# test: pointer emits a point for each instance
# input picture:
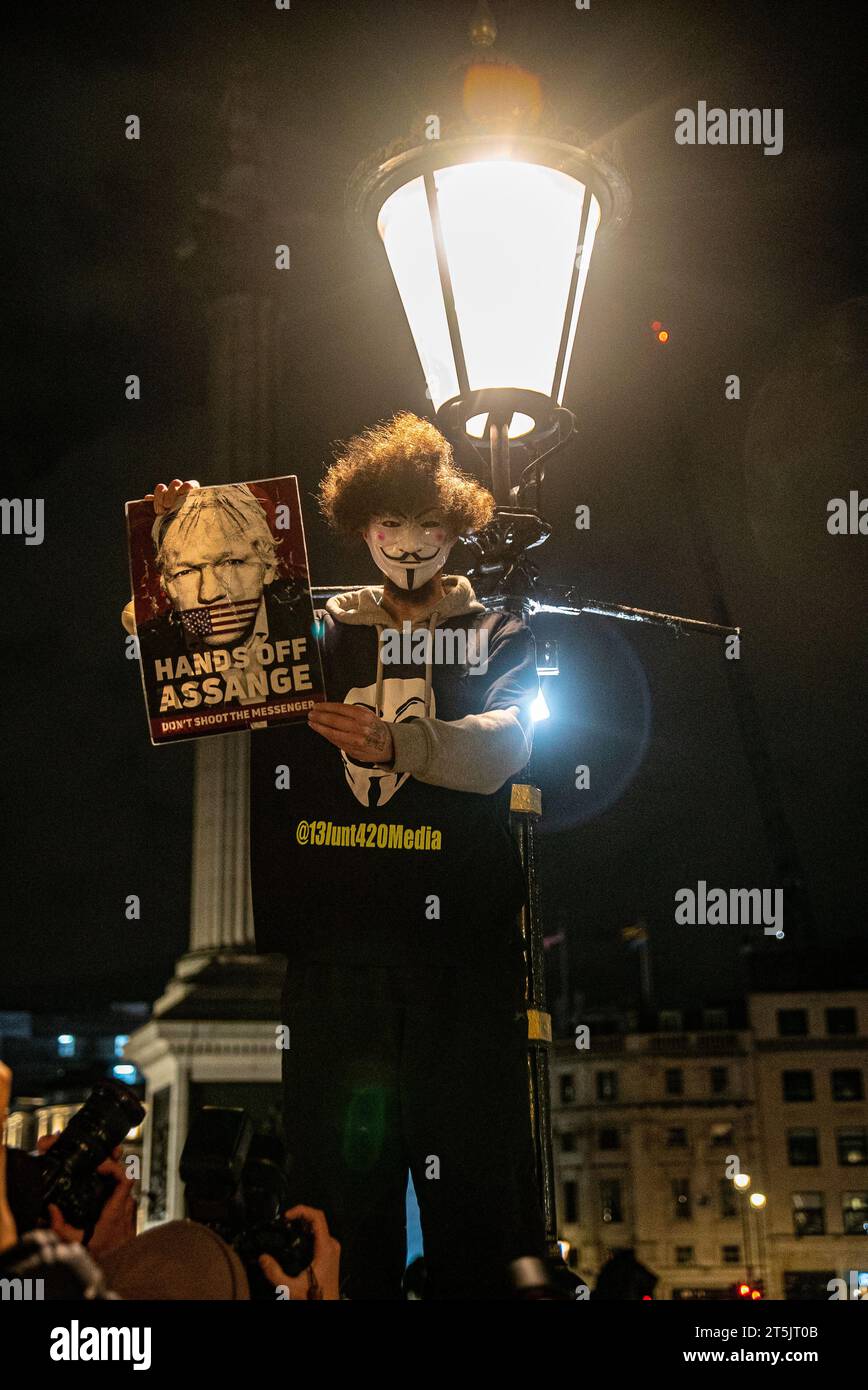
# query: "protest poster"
(224, 616)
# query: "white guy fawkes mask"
(409, 549)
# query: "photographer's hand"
(8, 1232)
(117, 1220)
(322, 1279)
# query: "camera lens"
(69, 1167)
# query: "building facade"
(720, 1154)
(809, 1065)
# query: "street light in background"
(752, 1209)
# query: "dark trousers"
(395, 1069)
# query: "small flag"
(638, 932)
(215, 618)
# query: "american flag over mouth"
(217, 618)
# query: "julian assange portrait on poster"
(223, 610)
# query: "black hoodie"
(362, 863)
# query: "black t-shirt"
(354, 864)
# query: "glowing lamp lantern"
(489, 236)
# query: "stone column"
(236, 234)
(221, 910)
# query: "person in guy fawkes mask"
(387, 875)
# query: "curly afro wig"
(400, 467)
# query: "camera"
(235, 1184)
(66, 1175)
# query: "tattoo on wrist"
(376, 738)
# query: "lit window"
(809, 1217)
(852, 1146)
(855, 1213)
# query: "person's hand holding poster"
(223, 609)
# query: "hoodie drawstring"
(429, 649)
(428, 662)
(378, 696)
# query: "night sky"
(754, 263)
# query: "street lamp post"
(741, 1182)
(752, 1210)
(758, 1208)
(745, 1234)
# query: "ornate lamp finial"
(483, 30)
